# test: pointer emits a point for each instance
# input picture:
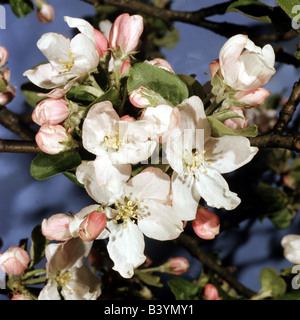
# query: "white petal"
(214, 189)
(174, 150)
(82, 25)
(126, 248)
(102, 180)
(151, 184)
(49, 292)
(185, 196)
(100, 122)
(160, 222)
(229, 153)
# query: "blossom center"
(126, 210)
(195, 161)
(67, 65)
(113, 142)
(63, 279)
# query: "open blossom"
(291, 246)
(206, 225)
(199, 160)
(68, 59)
(53, 139)
(67, 274)
(50, 111)
(14, 260)
(125, 33)
(242, 70)
(142, 209)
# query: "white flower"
(142, 209)
(199, 160)
(123, 142)
(291, 246)
(67, 274)
(68, 59)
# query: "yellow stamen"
(126, 211)
(67, 65)
(195, 162)
(113, 142)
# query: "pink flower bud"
(50, 111)
(254, 97)
(6, 97)
(237, 123)
(53, 139)
(101, 43)
(125, 32)
(3, 56)
(125, 66)
(210, 292)
(207, 224)
(45, 12)
(127, 118)
(178, 265)
(57, 227)
(138, 99)
(161, 63)
(92, 226)
(20, 297)
(214, 67)
(14, 260)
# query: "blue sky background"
(24, 202)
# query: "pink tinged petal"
(237, 123)
(126, 248)
(207, 224)
(50, 111)
(14, 260)
(91, 227)
(45, 13)
(214, 67)
(127, 118)
(3, 56)
(125, 66)
(102, 180)
(229, 58)
(159, 221)
(57, 227)
(101, 43)
(185, 196)
(161, 63)
(214, 189)
(20, 297)
(150, 184)
(253, 98)
(210, 292)
(100, 121)
(229, 153)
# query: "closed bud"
(176, 266)
(101, 43)
(206, 225)
(143, 97)
(53, 139)
(91, 227)
(161, 63)
(210, 292)
(50, 111)
(237, 123)
(45, 12)
(14, 260)
(3, 56)
(20, 297)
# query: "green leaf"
(272, 285)
(21, 7)
(253, 9)
(79, 93)
(167, 84)
(183, 289)
(218, 129)
(291, 8)
(44, 166)
(38, 245)
(297, 55)
(225, 115)
(282, 218)
(149, 279)
(72, 177)
(194, 87)
(2, 85)
(30, 92)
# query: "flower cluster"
(149, 154)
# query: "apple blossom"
(237, 123)
(45, 11)
(67, 274)
(8, 92)
(14, 260)
(68, 59)
(57, 227)
(206, 225)
(125, 33)
(53, 139)
(241, 71)
(291, 246)
(91, 227)
(3, 56)
(142, 209)
(176, 266)
(198, 160)
(50, 111)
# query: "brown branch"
(17, 146)
(13, 122)
(191, 244)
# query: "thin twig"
(191, 244)
(17, 146)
